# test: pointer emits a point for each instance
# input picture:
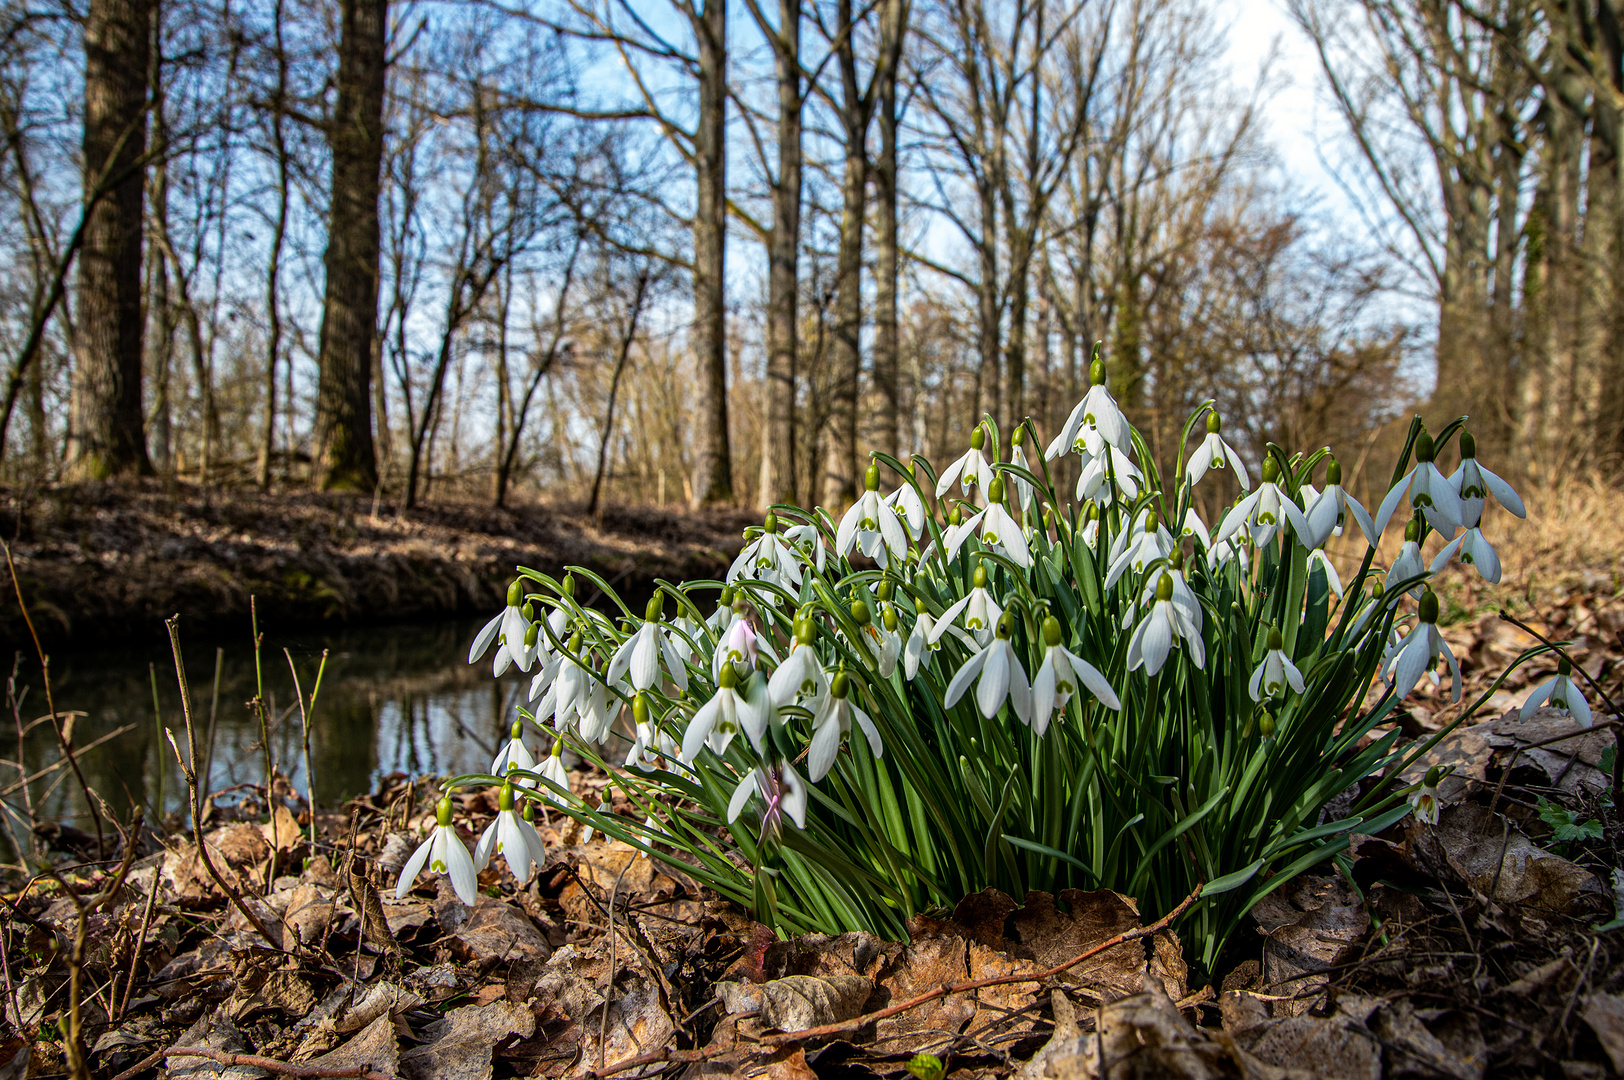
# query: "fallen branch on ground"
(280, 1068)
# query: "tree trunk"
(344, 457)
(885, 265)
(273, 312)
(713, 475)
(106, 436)
(783, 268)
(840, 458)
(623, 353)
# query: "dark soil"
(105, 558)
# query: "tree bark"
(886, 432)
(344, 458)
(273, 273)
(713, 474)
(783, 266)
(106, 432)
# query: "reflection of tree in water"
(393, 698)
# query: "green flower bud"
(517, 730)
(728, 679)
(1435, 776)
(1412, 531)
(978, 579)
(1214, 424)
(1051, 631)
(995, 490)
(1378, 588)
(886, 590)
(955, 516)
(1019, 438)
(442, 811)
(1265, 724)
(1564, 666)
(806, 632)
(1048, 517)
(1096, 365)
(1153, 521)
(1093, 510)
(770, 522)
(655, 607)
(726, 599)
(1468, 445)
(871, 477)
(978, 437)
(558, 747)
(889, 617)
(1164, 587)
(1276, 642)
(1424, 449)
(1429, 607)
(528, 611)
(504, 798)
(1176, 560)
(640, 708)
(1006, 625)
(529, 811)
(569, 585)
(515, 594)
(840, 685)
(919, 606)
(1333, 472)
(860, 613)
(532, 634)
(1271, 470)
(575, 642)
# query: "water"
(393, 699)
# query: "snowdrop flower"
(595, 712)
(832, 723)
(1091, 527)
(1328, 512)
(995, 527)
(919, 648)
(807, 543)
(871, 525)
(444, 853)
(1154, 638)
(1024, 494)
(508, 622)
(512, 837)
(1195, 529)
(800, 678)
(1417, 652)
(1474, 550)
(1001, 677)
(1264, 511)
(1059, 676)
(1098, 411)
(741, 646)
(1424, 800)
(1271, 677)
(513, 755)
(1141, 544)
(1232, 548)
(1215, 453)
(1106, 473)
(726, 714)
(640, 654)
(564, 680)
(780, 787)
(1317, 557)
(880, 639)
(769, 559)
(1559, 693)
(723, 618)
(968, 471)
(1183, 598)
(552, 768)
(981, 612)
(1428, 490)
(1474, 484)
(910, 510)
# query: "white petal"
(1238, 465)
(413, 867)
(820, 755)
(699, 728)
(486, 635)
(1503, 493)
(645, 658)
(1384, 513)
(1201, 460)
(847, 536)
(947, 619)
(1158, 640)
(464, 878)
(1294, 678)
(961, 681)
(1095, 680)
(741, 796)
(792, 795)
(866, 725)
(1362, 516)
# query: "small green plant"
(927, 1067)
(1566, 828)
(980, 679)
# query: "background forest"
(684, 251)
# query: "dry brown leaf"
(214, 1033)
(1310, 927)
(1054, 936)
(461, 1044)
(308, 912)
(1605, 1015)
(1427, 1045)
(1487, 852)
(798, 1001)
(1146, 1036)
(375, 1046)
(496, 931)
(1337, 1047)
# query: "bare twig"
(271, 1065)
(304, 720)
(691, 1056)
(140, 943)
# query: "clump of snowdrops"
(975, 679)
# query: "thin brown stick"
(142, 1066)
(140, 940)
(271, 1065)
(50, 701)
(691, 1056)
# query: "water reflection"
(393, 698)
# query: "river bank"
(114, 559)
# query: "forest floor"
(95, 555)
(1490, 944)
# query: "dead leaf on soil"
(213, 1033)
(1310, 927)
(375, 1046)
(461, 1044)
(1491, 855)
(1605, 1015)
(1338, 1046)
(496, 931)
(798, 1002)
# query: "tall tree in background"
(344, 454)
(713, 473)
(106, 437)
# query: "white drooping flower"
(651, 746)
(807, 543)
(444, 853)
(1106, 473)
(1416, 653)
(994, 527)
(514, 756)
(741, 647)
(1424, 800)
(1474, 484)
(510, 617)
(923, 643)
(1329, 511)
(1559, 693)
(1091, 527)
(882, 640)
(1139, 545)
(981, 612)
(1215, 453)
(1428, 491)
(1156, 635)
(640, 654)
(1264, 511)
(969, 471)
(1025, 494)
(832, 723)
(871, 525)
(552, 768)
(1317, 557)
(800, 679)
(910, 510)
(1001, 677)
(1098, 411)
(728, 712)
(1183, 598)
(1059, 676)
(1276, 671)
(1195, 529)
(768, 558)
(780, 788)
(512, 837)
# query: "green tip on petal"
(1051, 631)
(860, 613)
(1164, 587)
(640, 708)
(1276, 642)
(1333, 473)
(979, 578)
(442, 811)
(1214, 423)
(1468, 445)
(1271, 470)
(1429, 607)
(871, 477)
(1425, 451)
(840, 685)
(995, 490)
(515, 594)
(978, 437)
